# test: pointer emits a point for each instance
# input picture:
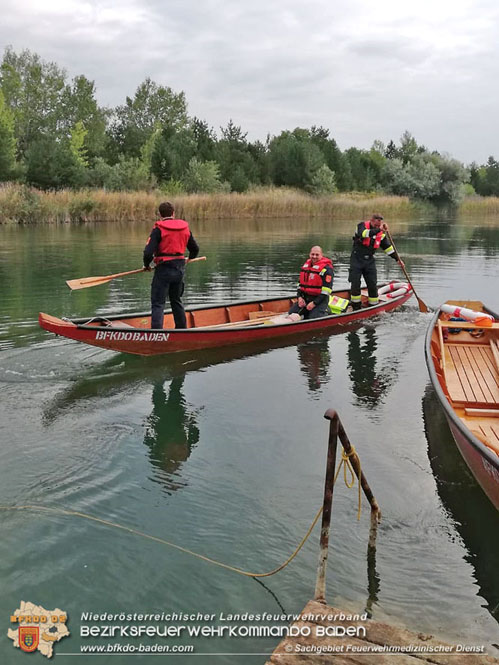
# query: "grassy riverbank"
(25, 205)
(20, 204)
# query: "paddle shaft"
(422, 305)
(86, 282)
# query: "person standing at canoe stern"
(316, 283)
(166, 245)
(369, 236)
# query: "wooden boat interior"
(467, 367)
(230, 316)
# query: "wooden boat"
(464, 371)
(207, 327)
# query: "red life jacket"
(377, 238)
(310, 278)
(175, 234)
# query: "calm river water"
(223, 452)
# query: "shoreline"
(20, 204)
(25, 205)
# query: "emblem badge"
(29, 636)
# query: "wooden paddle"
(86, 282)
(422, 305)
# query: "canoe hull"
(146, 342)
(481, 459)
(485, 470)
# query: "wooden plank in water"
(369, 647)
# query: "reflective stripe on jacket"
(337, 305)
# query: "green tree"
(79, 105)
(295, 159)
(33, 90)
(418, 180)
(134, 122)
(333, 156)
(49, 163)
(452, 176)
(408, 147)
(323, 181)
(237, 165)
(77, 144)
(491, 177)
(7, 142)
(171, 154)
(364, 169)
(205, 140)
(202, 177)
(43, 104)
(391, 150)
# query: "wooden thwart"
(489, 413)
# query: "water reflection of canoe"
(464, 371)
(207, 327)
(474, 516)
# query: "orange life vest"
(175, 235)
(310, 277)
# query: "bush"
(323, 181)
(81, 207)
(202, 177)
(20, 203)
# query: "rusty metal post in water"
(355, 462)
(320, 584)
(336, 430)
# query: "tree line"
(54, 134)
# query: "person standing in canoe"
(314, 288)
(166, 245)
(369, 236)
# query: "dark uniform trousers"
(315, 313)
(167, 279)
(363, 264)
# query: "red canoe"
(207, 327)
(464, 371)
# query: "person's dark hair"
(380, 217)
(166, 209)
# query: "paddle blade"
(422, 305)
(85, 282)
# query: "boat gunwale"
(80, 322)
(448, 408)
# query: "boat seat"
(471, 376)
(488, 434)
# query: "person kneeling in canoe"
(166, 245)
(314, 289)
